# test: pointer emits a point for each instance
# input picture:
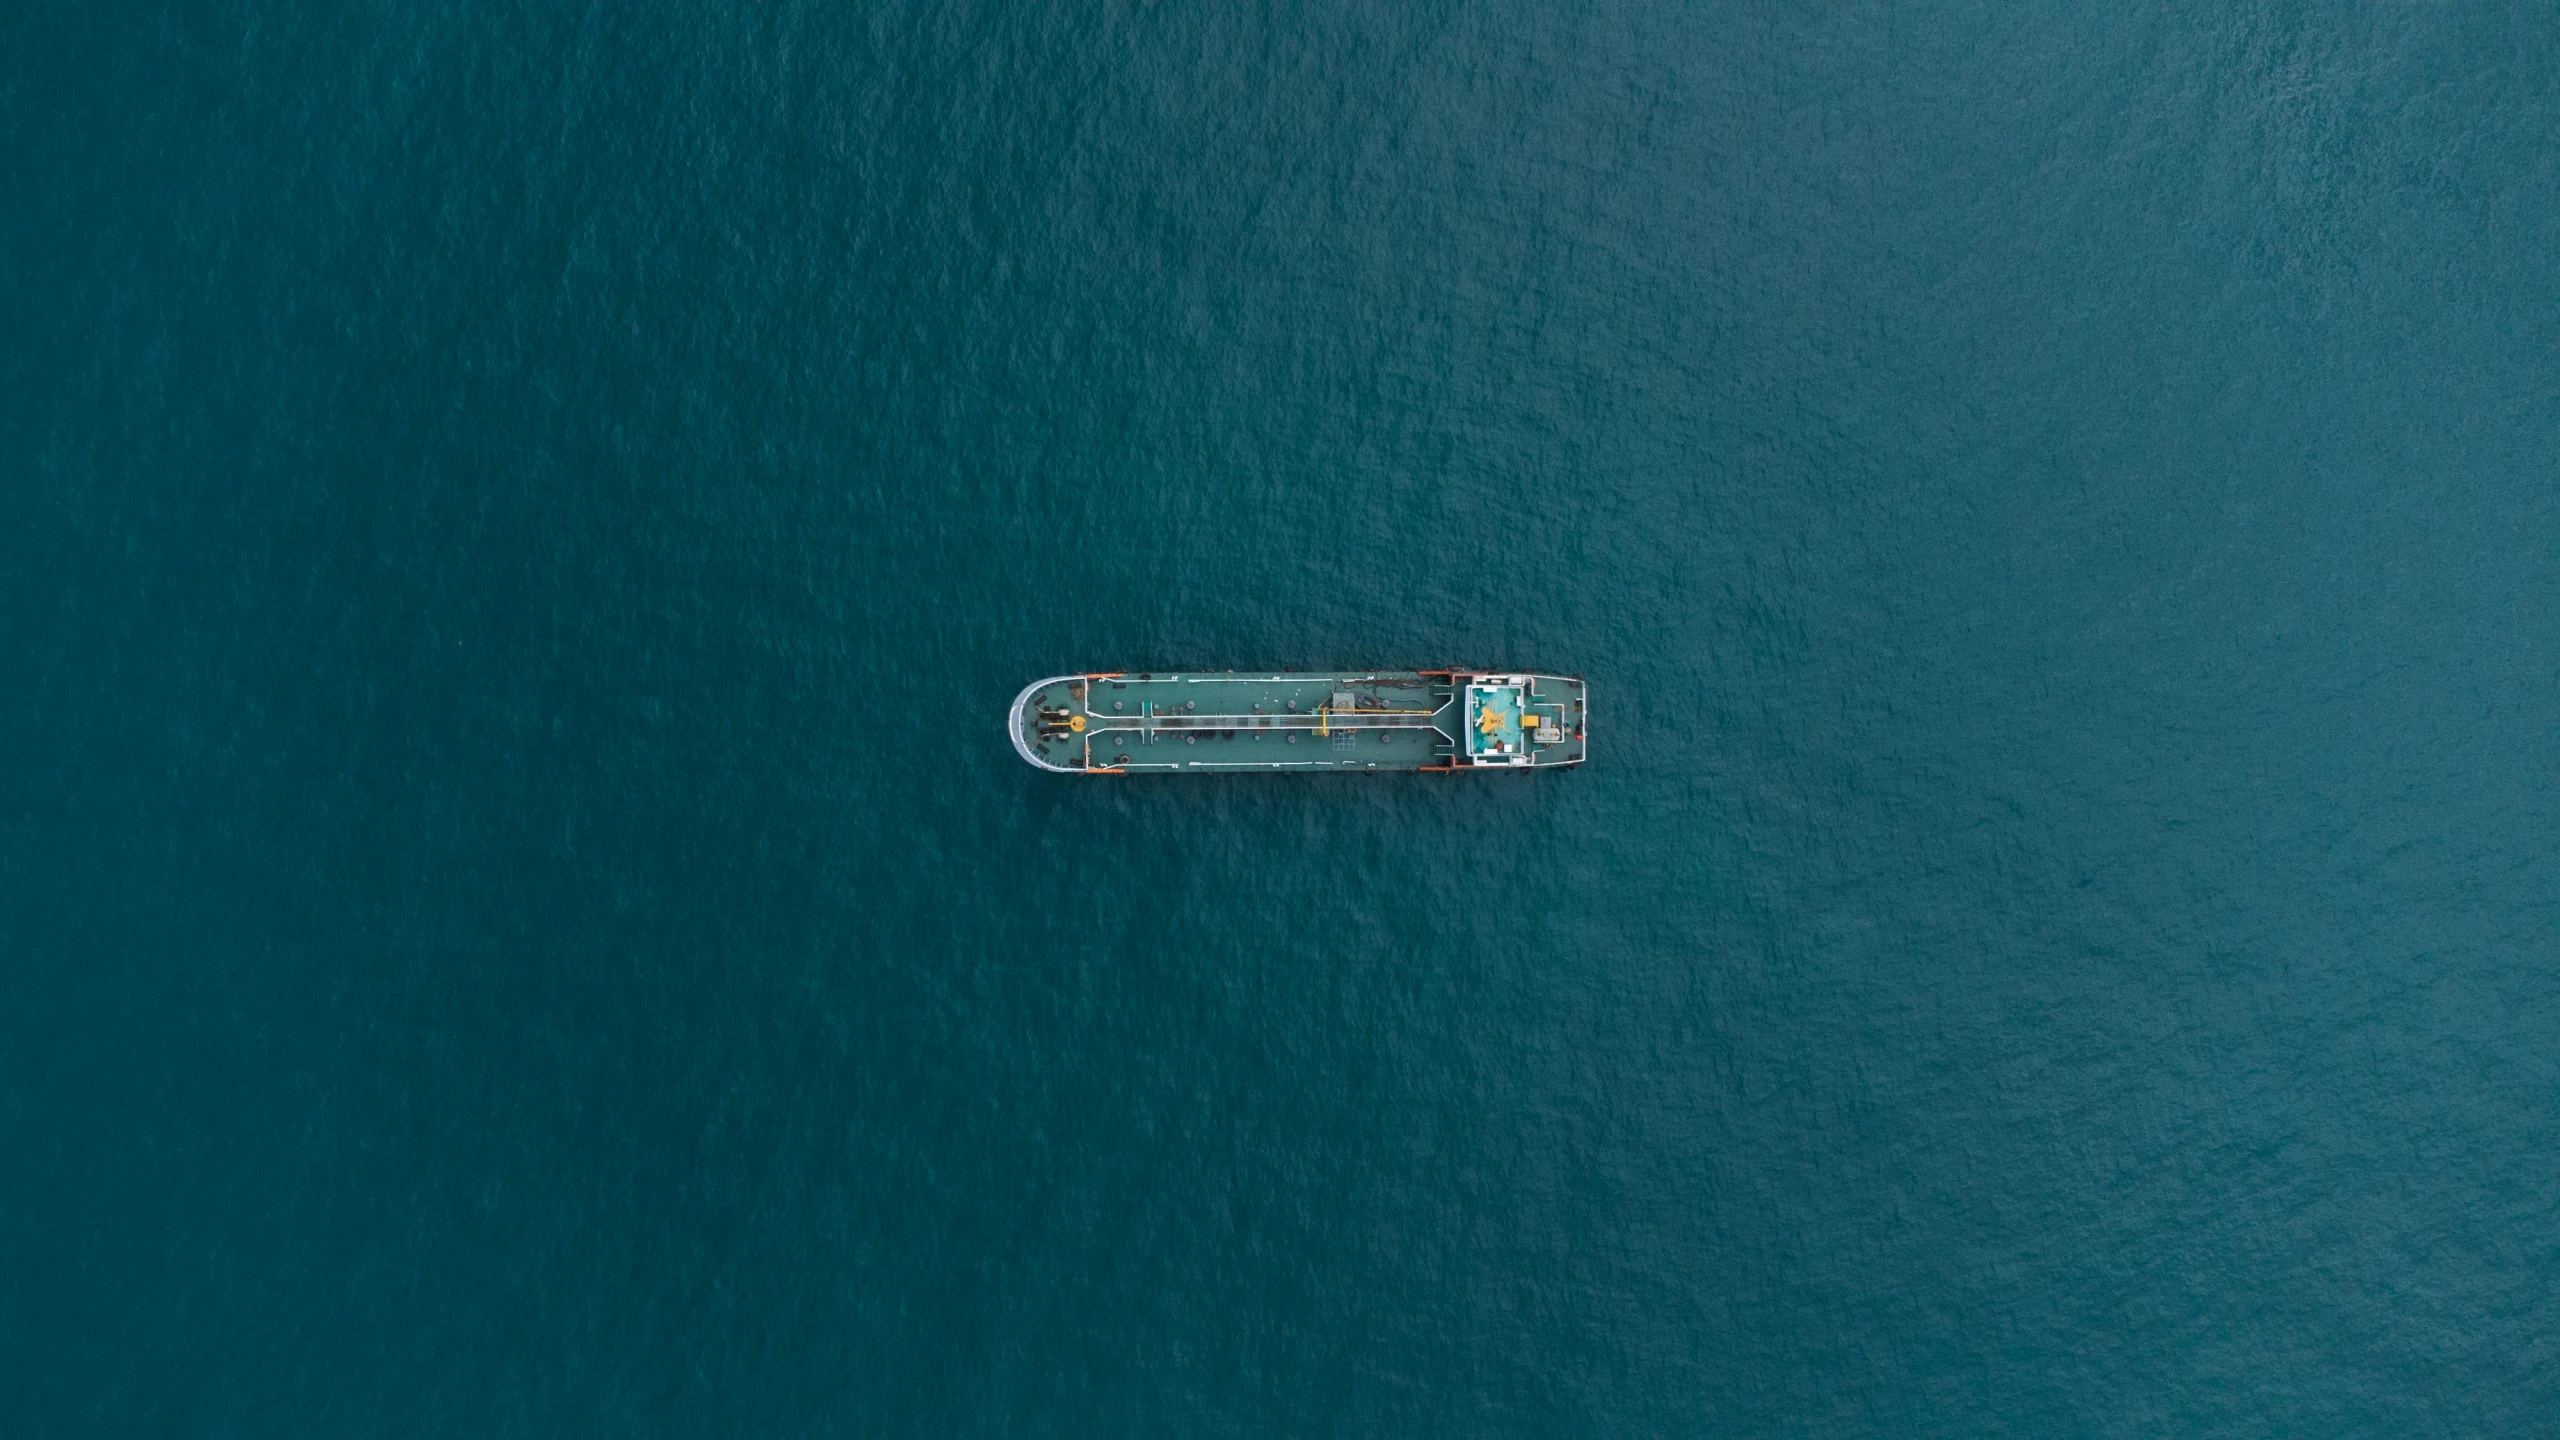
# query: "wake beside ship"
(1439, 721)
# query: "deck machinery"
(1441, 721)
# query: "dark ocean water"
(518, 525)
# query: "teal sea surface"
(519, 524)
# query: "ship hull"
(1363, 722)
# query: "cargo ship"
(1433, 721)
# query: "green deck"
(1349, 721)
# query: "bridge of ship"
(1265, 722)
